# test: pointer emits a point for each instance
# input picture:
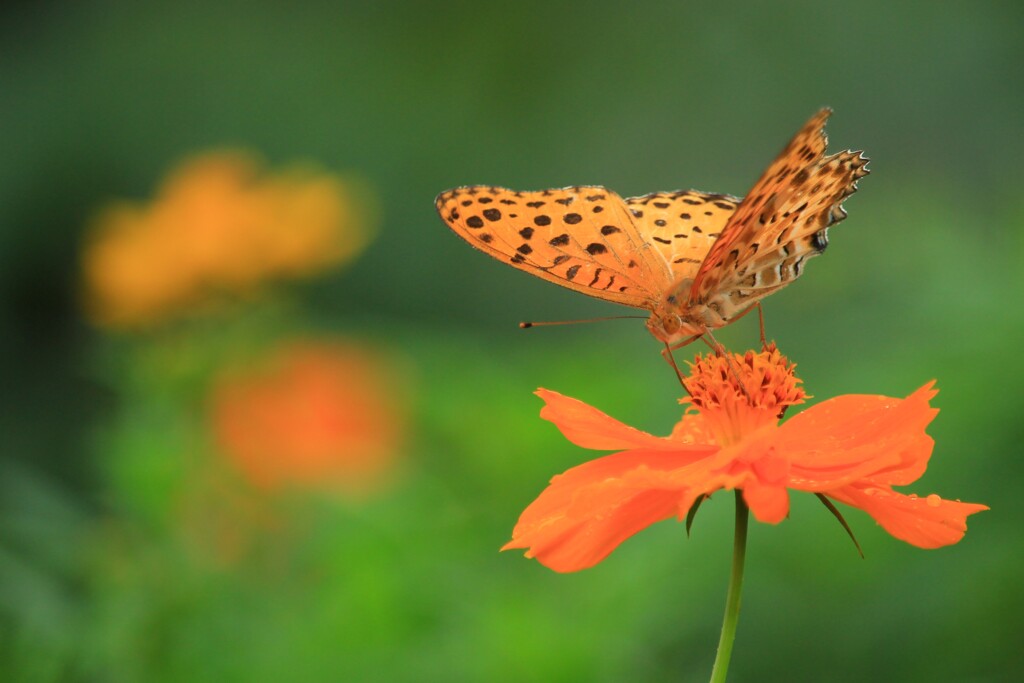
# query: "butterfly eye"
(672, 323)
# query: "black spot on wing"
(820, 241)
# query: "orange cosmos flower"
(313, 415)
(852, 449)
(219, 227)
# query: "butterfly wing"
(682, 226)
(583, 238)
(781, 223)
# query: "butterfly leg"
(715, 345)
(760, 321)
(685, 342)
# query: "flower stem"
(732, 600)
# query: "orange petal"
(857, 437)
(765, 488)
(769, 503)
(590, 428)
(567, 543)
(586, 512)
(929, 522)
(692, 429)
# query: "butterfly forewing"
(583, 238)
(780, 224)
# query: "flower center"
(739, 394)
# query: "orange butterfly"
(695, 260)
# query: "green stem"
(732, 600)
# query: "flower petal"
(588, 427)
(586, 512)
(858, 437)
(769, 503)
(567, 543)
(929, 522)
(765, 488)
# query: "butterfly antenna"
(527, 325)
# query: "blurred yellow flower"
(219, 227)
(313, 415)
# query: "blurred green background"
(101, 580)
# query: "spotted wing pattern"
(682, 226)
(583, 238)
(781, 223)
(633, 251)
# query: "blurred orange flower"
(219, 227)
(314, 415)
(852, 448)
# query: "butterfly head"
(677, 318)
(670, 328)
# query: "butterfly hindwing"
(682, 226)
(583, 238)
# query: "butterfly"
(695, 260)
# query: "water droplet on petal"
(934, 500)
